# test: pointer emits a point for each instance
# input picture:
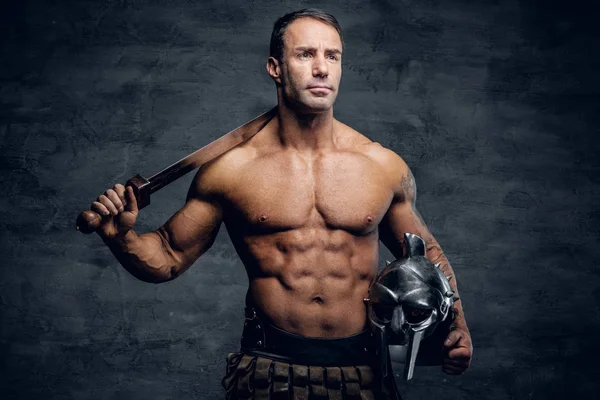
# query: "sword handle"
(88, 221)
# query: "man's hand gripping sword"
(88, 221)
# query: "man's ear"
(274, 69)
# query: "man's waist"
(264, 339)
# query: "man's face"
(311, 68)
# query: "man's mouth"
(320, 88)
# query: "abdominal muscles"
(312, 281)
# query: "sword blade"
(210, 151)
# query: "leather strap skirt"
(254, 377)
(275, 364)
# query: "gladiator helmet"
(407, 301)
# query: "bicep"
(192, 230)
(403, 217)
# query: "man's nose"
(320, 67)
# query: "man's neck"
(305, 132)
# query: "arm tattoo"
(409, 188)
(438, 253)
(421, 228)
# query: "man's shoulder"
(387, 158)
(213, 178)
(349, 138)
(381, 155)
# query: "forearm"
(147, 257)
(435, 254)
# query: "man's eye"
(304, 55)
(333, 57)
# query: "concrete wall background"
(494, 105)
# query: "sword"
(88, 221)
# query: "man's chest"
(340, 191)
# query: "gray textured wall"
(494, 106)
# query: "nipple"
(369, 219)
(263, 218)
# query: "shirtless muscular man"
(305, 202)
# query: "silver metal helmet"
(407, 301)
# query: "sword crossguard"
(141, 190)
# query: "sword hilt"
(88, 221)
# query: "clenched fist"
(458, 352)
(119, 210)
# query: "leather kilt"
(275, 364)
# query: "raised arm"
(167, 252)
(403, 216)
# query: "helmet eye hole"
(384, 312)
(416, 315)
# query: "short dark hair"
(280, 26)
